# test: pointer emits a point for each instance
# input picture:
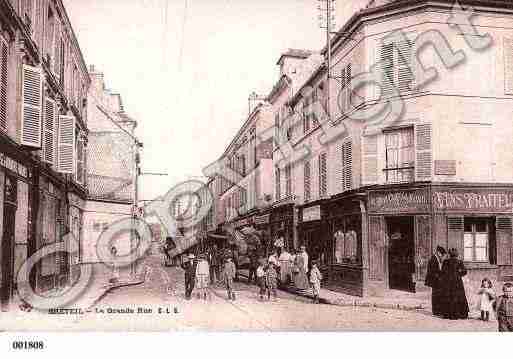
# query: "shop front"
(15, 221)
(477, 221)
(400, 237)
(344, 249)
(406, 224)
(282, 225)
(314, 234)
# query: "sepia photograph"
(214, 166)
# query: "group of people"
(281, 268)
(449, 301)
(201, 271)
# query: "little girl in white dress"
(487, 297)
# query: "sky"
(186, 76)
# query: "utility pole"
(327, 21)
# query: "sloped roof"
(296, 53)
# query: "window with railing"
(400, 155)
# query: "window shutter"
(386, 54)
(32, 90)
(49, 128)
(347, 163)
(422, 245)
(66, 145)
(508, 63)
(278, 183)
(370, 159)
(376, 248)
(4, 79)
(455, 234)
(405, 78)
(308, 192)
(423, 163)
(503, 227)
(80, 160)
(57, 51)
(323, 178)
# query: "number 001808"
(28, 345)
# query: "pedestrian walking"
(434, 280)
(271, 281)
(286, 264)
(115, 269)
(214, 264)
(189, 268)
(253, 265)
(304, 254)
(229, 276)
(299, 273)
(202, 277)
(260, 277)
(315, 280)
(504, 308)
(455, 304)
(486, 299)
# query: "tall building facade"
(372, 197)
(111, 173)
(43, 135)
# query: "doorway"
(7, 254)
(401, 253)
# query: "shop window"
(476, 240)
(346, 241)
(400, 156)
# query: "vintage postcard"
(222, 165)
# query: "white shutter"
(57, 50)
(347, 163)
(32, 90)
(387, 68)
(80, 160)
(423, 162)
(508, 66)
(4, 79)
(50, 116)
(370, 159)
(404, 55)
(66, 151)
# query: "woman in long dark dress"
(455, 304)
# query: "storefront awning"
(218, 236)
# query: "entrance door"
(7, 254)
(401, 253)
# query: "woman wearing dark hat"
(455, 304)
(434, 280)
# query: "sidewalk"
(98, 287)
(391, 300)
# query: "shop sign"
(473, 200)
(312, 214)
(13, 165)
(265, 219)
(243, 222)
(415, 200)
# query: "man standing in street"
(433, 280)
(214, 265)
(190, 272)
(305, 258)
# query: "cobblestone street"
(289, 313)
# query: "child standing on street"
(229, 275)
(504, 308)
(315, 280)
(487, 297)
(260, 276)
(202, 277)
(271, 280)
